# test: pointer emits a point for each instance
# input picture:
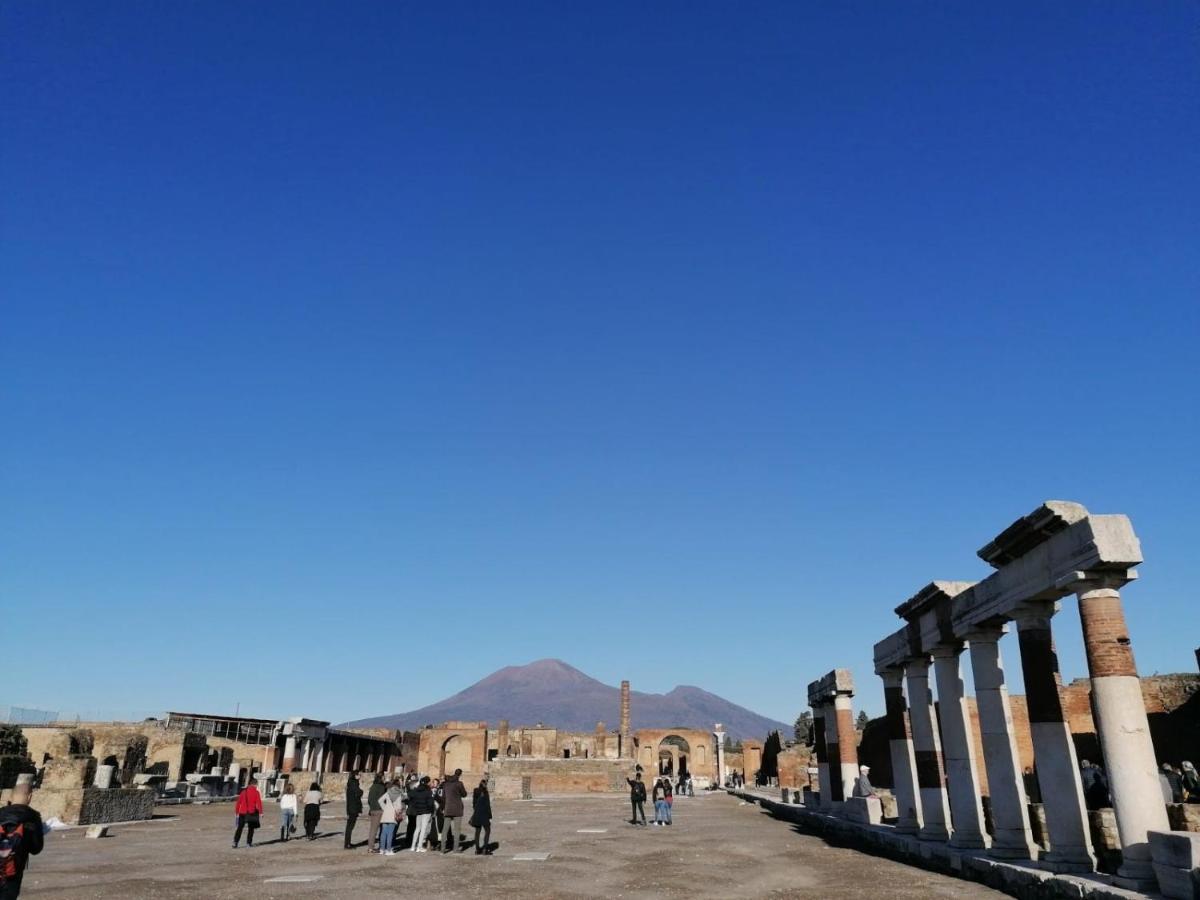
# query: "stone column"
(958, 750)
(719, 735)
(1011, 838)
(1053, 750)
(502, 739)
(927, 752)
(847, 744)
(104, 777)
(626, 732)
(1123, 729)
(289, 753)
(821, 748)
(904, 767)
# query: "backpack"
(12, 840)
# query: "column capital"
(1086, 582)
(987, 632)
(893, 676)
(1034, 609)
(917, 666)
(943, 651)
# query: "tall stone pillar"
(719, 736)
(502, 739)
(1053, 749)
(847, 743)
(833, 756)
(1123, 729)
(626, 733)
(927, 751)
(958, 750)
(289, 753)
(821, 747)
(904, 767)
(1011, 836)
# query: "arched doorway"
(673, 752)
(456, 754)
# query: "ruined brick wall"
(564, 776)
(793, 767)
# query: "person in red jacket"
(249, 811)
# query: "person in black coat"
(481, 817)
(353, 807)
(420, 805)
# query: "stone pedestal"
(927, 751)
(1124, 731)
(958, 750)
(1012, 837)
(104, 777)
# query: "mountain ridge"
(555, 693)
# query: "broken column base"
(1176, 856)
(864, 810)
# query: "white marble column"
(958, 750)
(927, 751)
(1053, 750)
(719, 736)
(1011, 837)
(900, 746)
(289, 753)
(1124, 731)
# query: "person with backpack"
(637, 798)
(668, 801)
(353, 807)
(312, 811)
(481, 818)
(22, 835)
(453, 793)
(287, 808)
(249, 814)
(420, 805)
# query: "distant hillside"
(554, 693)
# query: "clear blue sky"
(681, 341)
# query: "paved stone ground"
(719, 847)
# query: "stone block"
(1184, 816)
(864, 810)
(887, 801)
(1177, 884)
(96, 831)
(72, 773)
(1178, 849)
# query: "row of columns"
(936, 776)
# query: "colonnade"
(1057, 550)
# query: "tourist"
(374, 813)
(391, 806)
(353, 807)
(439, 818)
(249, 814)
(691, 789)
(637, 798)
(287, 806)
(862, 784)
(1033, 790)
(481, 818)
(453, 792)
(1191, 783)
(657, 796)
(1095, 785)
(420, 805)
(22, 835)
(312, 811)
(668, 800)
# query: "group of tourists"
(432, 810)
(662, 793)
(1180, 784)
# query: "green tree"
(862, 721)
(770, 755)
(12, 741)
(804, 728)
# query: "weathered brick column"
(958, 750)
(927, 751)
(1122, 727)
(626, 731)
(1053, 749)
(837, 741)
(900, 746)
(1011, 837)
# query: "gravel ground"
(719, 847)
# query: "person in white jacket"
(287, 806)
(391, 805)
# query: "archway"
(456, 754)
(673, 752)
